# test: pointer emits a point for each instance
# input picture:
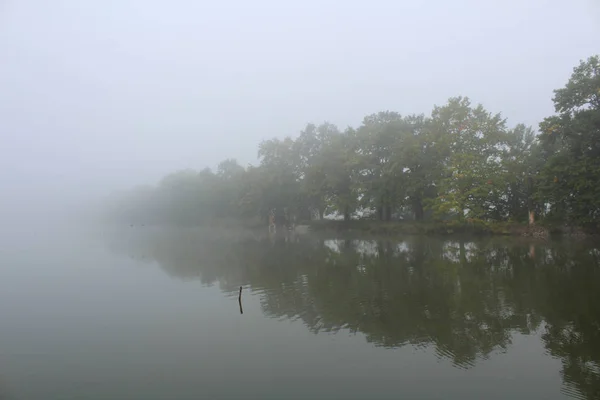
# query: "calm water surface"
(146, 313)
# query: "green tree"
(281, 172)
(462, 162)
(570, 180)
(415, 163)
(310, 147)
(522, 162)
(339, 162)
(379, 182)
(472, 180)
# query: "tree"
(462, 162)
(339, 165)
(415, 163)
(472, 175)
(570, 179)
(377, 136)
(280, 170)
(522, 162)
(310, 147)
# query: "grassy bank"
(477, 227)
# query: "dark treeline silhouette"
(467, 300)
(461, 163)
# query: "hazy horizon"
(99, 96)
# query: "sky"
(104, 94)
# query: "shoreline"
(447, 228)
(397, 228)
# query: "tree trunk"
(346, 213)
(321, 213)
(380, 212)
(388, 213)
(531, 217)
(530, 203)
(418, 210)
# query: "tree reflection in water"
(465, 298)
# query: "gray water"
(146, 313)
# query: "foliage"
(462, 163)
(570, 178)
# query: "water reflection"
(464, 298)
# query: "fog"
(102, 95)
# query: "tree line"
(461, 162)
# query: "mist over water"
(153, 313)
(105, 100)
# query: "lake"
(148, 313)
